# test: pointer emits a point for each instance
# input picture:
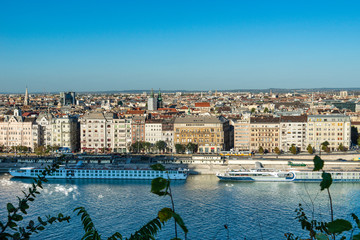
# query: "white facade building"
(65, 133)
(335, 129)
(153, 131)
(293, 132)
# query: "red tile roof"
(202, 104)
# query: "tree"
(160, 145)
(266, 110)
(179, 148)
(40, 150)
(293, 149)
(310, 149)
(137, 147)
(324, 146)
(261, 150)
(341, 147)
(253, 110)
(277, 151)
(354, 135)
(192, 147)
(358, 141)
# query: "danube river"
(251, 210)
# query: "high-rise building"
(67, 98)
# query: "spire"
(152, 93)
(26, 100)
(159, 96)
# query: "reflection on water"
(251, 210)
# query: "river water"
(250, 210)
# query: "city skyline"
(52, 47)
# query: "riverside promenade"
(196, 163)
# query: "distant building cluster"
(212, 122)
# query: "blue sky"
(123, 45)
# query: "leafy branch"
(325, 230)
(11, 229)
(160, 187)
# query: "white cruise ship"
(263, 175)
(101, 173)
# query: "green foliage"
(180, 148)
(158, 185)
(325, 230)
(324, 146)
(338, 226)
(158, 167)
(160, 145)
(140, 146)
(261, 150)
(310, 149)
(192, 147)
(358, 141)
(326, 180)
(318, 163)
(253, 110)
(341, 148)
(12, 229)
(266, 110)
(293, 149)
(277, 151)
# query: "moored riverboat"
(263, 175)
(101, 173)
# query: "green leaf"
(180, 222)
(321, 236)
(165, 214)
(318, 163)
(159, 184)
(12, 225)
(356, 237)
(326, 180)
(10, 207)
(158, 167)
(338, 226)
(40, 228)
(17, 217)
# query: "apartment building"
(44, 123)
(16, 130)
(335, 129)
(65, 133)
(168, 134)
(265, 133)
(122, 134)
(138, 129)
(153, 130)
(242, 134)
(293, 132)
(97, 131)
(210, 133)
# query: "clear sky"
(121, 45)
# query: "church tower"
(152, 104)
(159, 100)
(26, 100)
